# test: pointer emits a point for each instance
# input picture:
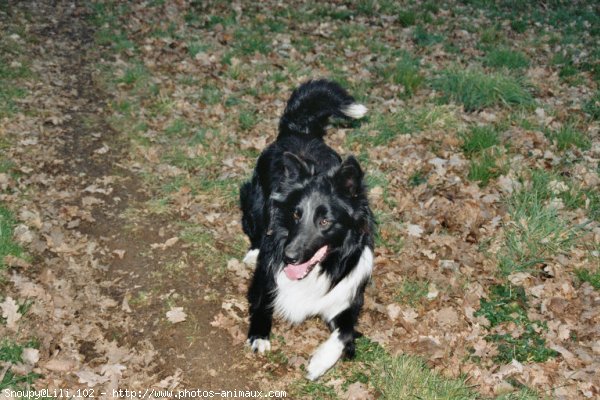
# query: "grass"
(393, 377)
(592, 106)
(313, 390)
(423, 38)
(508, 304)
(477, 90)
(405, 72)
(250, 75)
(134, 75)
(11, 352)
(407, 377)
(407, 17)
(10, 91)
(249, 41)
(7, 243)
(479, 138)
(213, 253)
(536, 231)
(592, 277)
(484, 167)
(178, 128)
(491, 35)
(567, 137)
(417, 178)
(412, 292)
(506, 58)
(381, 128)
(247, 119)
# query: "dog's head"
(315, 214)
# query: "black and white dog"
(310, 227)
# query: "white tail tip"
(355, 110)
(251, 257)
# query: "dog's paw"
(259, 345)
(325, 357)
(251, 257)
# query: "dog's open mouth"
(298, 271)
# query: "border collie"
(306, 214)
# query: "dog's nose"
(289, 258)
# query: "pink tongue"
(299, 271)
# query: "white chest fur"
(298, 300)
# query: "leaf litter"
(452, 229)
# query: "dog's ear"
(348, 177)
(295, 168)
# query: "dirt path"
(102, 269)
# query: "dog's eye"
(296, 215)
(324, 222)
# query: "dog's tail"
(312, 103)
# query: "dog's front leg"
(260, 298)
(325, 356)
(341, 341)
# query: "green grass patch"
(506, 58)
(210, 94)
(592, 106)
(422, 37)
(407, 17)
(178, 128)
(380, 129)
(479, 138)
(536, 231)
(213, 253)
(392, 377)
(11, 352)
(134, 75)
(247, 119)
(10, 91)
(407, 377)
(251, 40)
(508, 304)
(417, 178)
(592, 277)
(477, 90)
(484, 167)
(405, 72)
(114, 38)
(317, 390)
(567, 137)
(519, 25)
(412, 292)
(491, 35)
(7, 243)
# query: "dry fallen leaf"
(176, 314)
(414, 230)
(90, 378)
(357, 391)
(60, 365)
(30, 355)
(10, 311)
(168, 243)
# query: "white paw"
(325, 357)
(251, 257)
(260, 345)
